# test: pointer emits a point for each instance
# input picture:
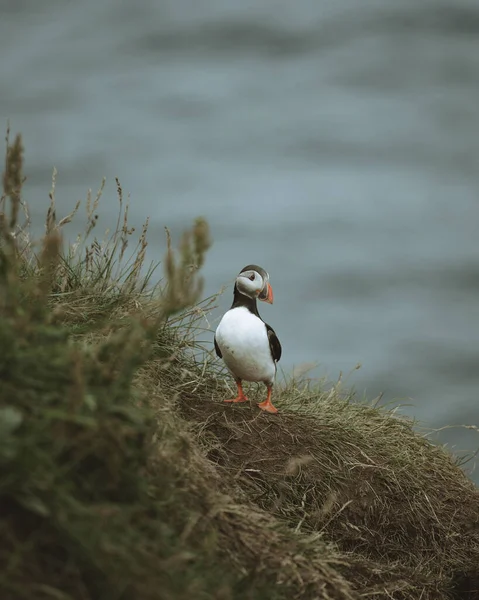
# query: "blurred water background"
(334, 143)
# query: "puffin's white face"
(254, 284)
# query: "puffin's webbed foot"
(240, 397)
(267, 405)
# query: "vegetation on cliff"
(124, 476)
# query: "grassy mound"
(124, 476)
(390, 501)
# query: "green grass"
(124, 476)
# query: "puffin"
(248, 346)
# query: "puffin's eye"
(251, 277)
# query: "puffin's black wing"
(274, 344)
(218, 351)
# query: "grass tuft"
(124, 476)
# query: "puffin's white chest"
(244, 344)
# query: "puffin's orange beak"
(268, 297)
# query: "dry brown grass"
(357, 476)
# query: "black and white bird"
(249, 347)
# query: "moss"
(124, 476)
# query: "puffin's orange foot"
(267, 406)
(240, 397)
(237, 399)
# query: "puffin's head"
(253, 281)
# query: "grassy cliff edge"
(124, 476)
